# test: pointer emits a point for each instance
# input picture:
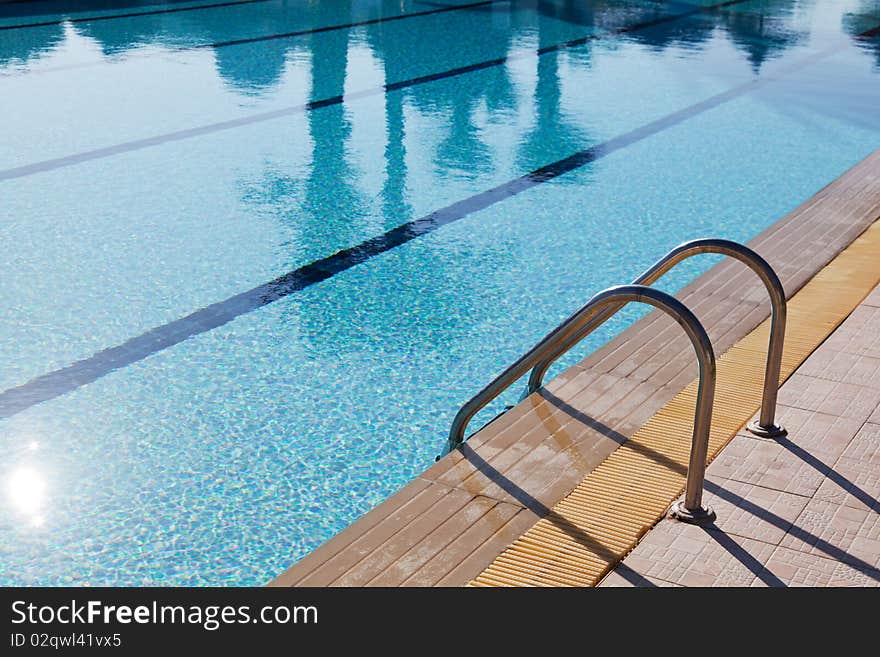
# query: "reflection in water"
(762, 34)
(252, 70)
(461, 151)
(22, 46)
(432, 295)
(331, 203)
(761, 31)
(26, 491)
(863, 19)
(330, 193)
(570, 11)
(688, 32)
(115, 38)
(395, 207)
(553, 135)
(326, 199)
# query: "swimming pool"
(257, 253)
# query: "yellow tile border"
(601, 520)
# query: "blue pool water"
(219, 348)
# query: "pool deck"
(457, 518)
(802, 510)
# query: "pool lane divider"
(596, 525)
(234, 3)
(189, 133)
(83, 372)
(345, 26)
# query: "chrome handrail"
(766, 425)
(613, 299)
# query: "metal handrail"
(766, 424)
(612, 300)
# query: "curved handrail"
(613, 299)
(766, 425)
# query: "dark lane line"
(138, 144)
(331, 28)
(81, 373)
(290, 35)
(297, 33)
(87, 19)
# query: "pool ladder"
(606, 304)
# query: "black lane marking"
(269, 37)
(288, 35)
(331, 28)
(127, 147)
(87, 19)
(78, 374)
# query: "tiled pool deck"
(449, 524)
(802, 510)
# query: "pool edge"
(449, 523)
